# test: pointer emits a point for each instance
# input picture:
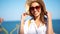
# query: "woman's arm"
(24, 15)
(50, 28)
(22, 27)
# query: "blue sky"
(12, 9)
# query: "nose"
(35, 9)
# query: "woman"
(38, 24)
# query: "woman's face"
(35, 9)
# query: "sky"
(13, 9)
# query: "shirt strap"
(29, 22)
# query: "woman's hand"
(24, 15)
(49, 15)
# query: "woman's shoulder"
(26, 21)
(29, 20)
(46, 20)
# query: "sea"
(13, 27)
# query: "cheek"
(39, 10)
(32, 12)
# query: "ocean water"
(12, 27)
(56, 26)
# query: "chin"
(36, 15)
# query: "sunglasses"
(32, 8)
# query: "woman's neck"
(37, 21)
(37, 18)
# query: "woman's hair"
(43, 9)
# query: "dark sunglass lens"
(31, 8)
(37, 7)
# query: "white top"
(32, 29)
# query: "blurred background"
(11, 10)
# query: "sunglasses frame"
(32, 8)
